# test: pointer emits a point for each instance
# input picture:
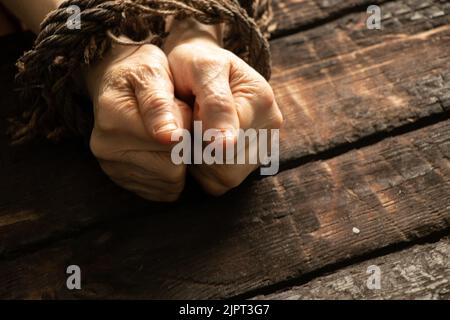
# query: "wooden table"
(365, 180)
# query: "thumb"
(161, 113)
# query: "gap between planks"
(333, 151)
(314, 21)
(260, 242)
(418, 272)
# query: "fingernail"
(167, 124)
(168, 127)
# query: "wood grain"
(340, 82)
(293, 15)
(336, 84)
(420, 272)
(269, 231)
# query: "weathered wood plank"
(292, 15)
(70, 205)
(340, 82)
(336, 84)
(288, 225)
(420, 272)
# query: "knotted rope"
(49, 74)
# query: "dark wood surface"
(340, 82)
(366, 144)
(420, 272)
(329, 107)
(287, 226)
(292, 16)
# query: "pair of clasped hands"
(142, 95)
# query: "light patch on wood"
(396, 100)
(300, 101)
(388, 203)
(419, 272)
(423, 36)
(21, 216)
(327, 167)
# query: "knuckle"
(105, 123)
(218, 102)
(106, 111)
(105, 100)
(214, 61)
(266, 96)
(278, 120)
(145, 71)
(96, 147)
(206, 67)
(115, 78)
(133, 73)
(268, 103)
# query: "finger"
(217, 180)
(152, 194)
(209, 183)
(254, 98)
(258, 116)
(130, 173)
(161, 113)
(144, 184)
(120, 127)
(157, 163)
(215, 105)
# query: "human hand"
(227, 93)
(135, 114)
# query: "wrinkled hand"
(228, 94)
(136, 113)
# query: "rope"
(49, 74)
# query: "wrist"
(190, 30)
